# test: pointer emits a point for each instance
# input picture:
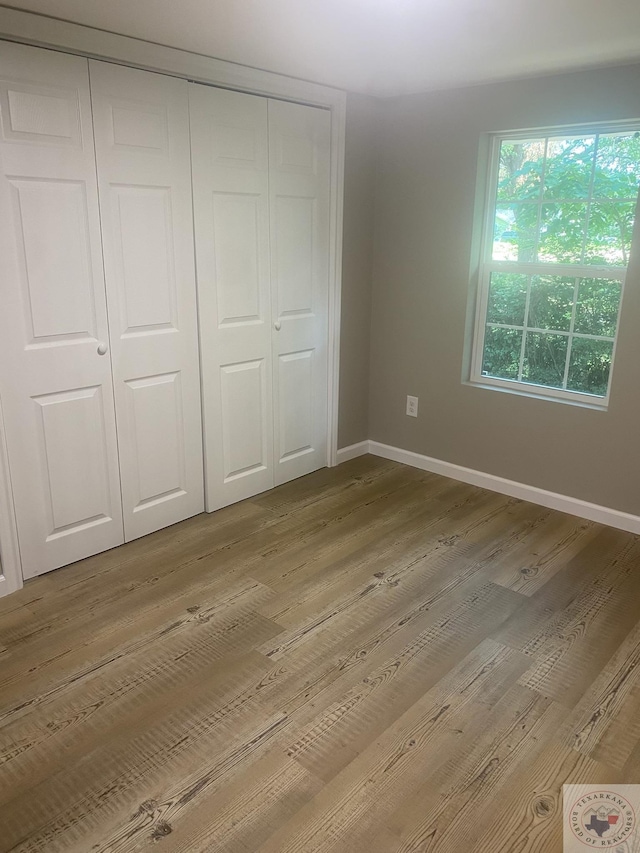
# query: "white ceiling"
(380, 47)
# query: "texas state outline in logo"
(601, 818)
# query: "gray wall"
(427, 172)
(353, 422)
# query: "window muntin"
(558, 236)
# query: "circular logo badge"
(602, 818)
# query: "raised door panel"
(54, 245)
(144, 173)
(74, 455)
(294, 238)
(299, 149)
(296, 436)
(231, 209)
(145, 260)
(56, 388)
(245, 430)
(236, 243)
(155, 410)
(40, 113)
(139, 126)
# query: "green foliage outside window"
(560, 201)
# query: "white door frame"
(10, 565)
(38, 30)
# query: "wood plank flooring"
(371, 658)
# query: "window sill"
(536, 392)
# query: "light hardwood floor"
(371, 658)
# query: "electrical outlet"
(412, 406)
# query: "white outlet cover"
(412, 406)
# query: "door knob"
(277, 325)
(102, 349)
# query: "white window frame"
(488, 265)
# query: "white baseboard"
(353, 450)
(542, 497)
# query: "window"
(558, 226)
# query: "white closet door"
(141, 123)
(55, 386)
(231, 207)
(299, 158)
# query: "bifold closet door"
(231, 208)
(299, 158)
(55, 371)
(141, 125)
(261, 204)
